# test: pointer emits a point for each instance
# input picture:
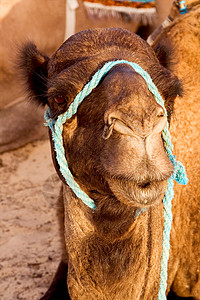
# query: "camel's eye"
(59, 99)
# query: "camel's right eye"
(59, 99)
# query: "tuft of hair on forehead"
(33, 66)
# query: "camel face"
(133, 157)
(116, 138)
(113, 144)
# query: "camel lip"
(148, 185)
(148, 195)
(140, 195)
(143, 183)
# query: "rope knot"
(180, 173)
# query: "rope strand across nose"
(179, 171)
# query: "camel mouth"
(148, 193)
(139, 194)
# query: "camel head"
(113, 144)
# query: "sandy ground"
(29, 238)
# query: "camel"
(39, 21)
(184, 34)
(115, 152)
(20, 122)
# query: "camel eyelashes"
(59, 99)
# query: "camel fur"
(184, 34)
(112, 253)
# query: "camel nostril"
(115, 121)
(160, 115)
(107, 131)
(160, 122)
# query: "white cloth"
(71, 6)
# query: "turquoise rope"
(56, 129)
(179, 172)
(183, 7)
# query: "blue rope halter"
(182, 7)
(179, 172)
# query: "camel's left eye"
(59, 99)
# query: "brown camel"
(112, 252)
(184, 264)
(39, 21)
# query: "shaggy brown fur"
(112, 253)
(184, 264)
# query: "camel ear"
(34, 71)
(165, 53)
(166, 81)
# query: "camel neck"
(113, 255)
